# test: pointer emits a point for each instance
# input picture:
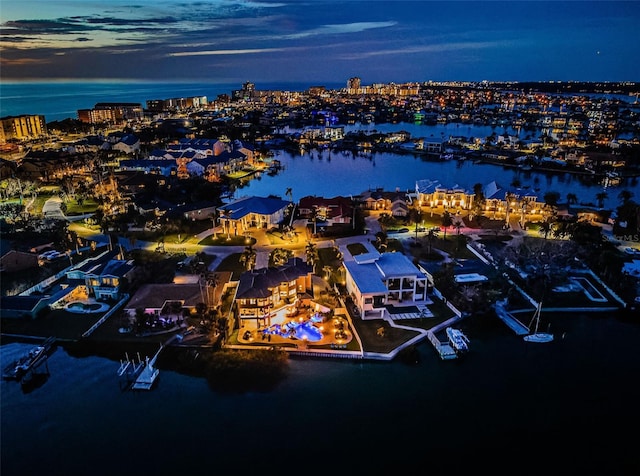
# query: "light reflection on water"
(572, 394)
(329, 174)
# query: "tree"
(289, 193)
(431, 235)
(312, 255)
(625, 196)
(280, 256)
(572, 198)
(447, 221)
(327, 272)
(226, 214)
(545, 228)
(248, 258)
(551, 199)
(381, 241)
(214, 217)
(601, 197)
(416, 215)
(314, 218)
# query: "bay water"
(508, 407)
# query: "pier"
(514, 324)
(444, 349)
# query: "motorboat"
(18, 368)
(459, 341)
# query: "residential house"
(103, 276)
(164, 298)
(252, 212)
(431, 193)
(332, 210)
(380, 200)
(262, 292)
(430, 145)
(377, 281)
(128, 144)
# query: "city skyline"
(319, 42)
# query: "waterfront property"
(264, 291)
(377, 281)
(252, 212)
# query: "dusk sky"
(318, 41)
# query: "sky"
(319, 41)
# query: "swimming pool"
(296, 330)
(80, 307)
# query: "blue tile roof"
(257, 205)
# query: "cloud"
(438, 48)
(344, 28)
(226, 52)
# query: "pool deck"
(328, 329)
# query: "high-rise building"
(353, 85)
(111, 112)
(22, 127)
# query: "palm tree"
(508, 198)
(625, 196)
(214, 217)
(289, 193)
(545, 228)
(226, 214)
(524, 208)
(312, 255)
(601, 197)
(431, 235)
(447, 221)
(572, 198)
(314, 218)
(212, 282)
(458, 225)
(551, 199)
(381, 241)
(248, 258)
(417, 218)
(280, 256)
(327, 271)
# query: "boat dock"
(148, 375)
(140, 374)
(444, 349)
(514, 324)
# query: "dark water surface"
(509, 407)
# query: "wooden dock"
(514, 324)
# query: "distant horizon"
(256, 82)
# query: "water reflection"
(351, 174)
